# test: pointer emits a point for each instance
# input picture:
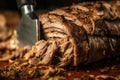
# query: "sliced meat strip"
(66, 58)
(63, 46)
(55, 34)
(53, 29)
(49, 54)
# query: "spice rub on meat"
(92, 29)
(78, 34)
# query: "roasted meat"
(80, 34)
(92, 29)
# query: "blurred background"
(41, 4)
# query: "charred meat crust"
(93, 29)
(78, 34)
(87, 33)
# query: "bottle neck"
(27, 9)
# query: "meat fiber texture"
(92, 29)
(78, 34)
